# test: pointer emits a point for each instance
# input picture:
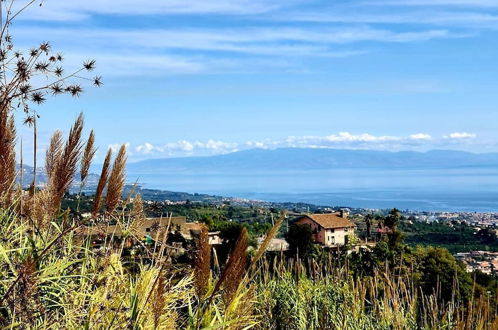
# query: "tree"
(393, 218)
(300, 239)
(439, 272)
(368, 220)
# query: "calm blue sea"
(438, 189)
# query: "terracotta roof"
(329, 220)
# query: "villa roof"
(330, 220)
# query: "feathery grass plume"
(53, 153)
(104, 174)
(87, 158)
(66, 166)
(202, 263)
(137, 216)
(234, 269)
(116, 181)
(269, 236)
(158, 302)
(7, 156)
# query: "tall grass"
(53, 280)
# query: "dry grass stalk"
(116, 181)
(202, 264)
(158, 301)
(234, 269)
(53, 154)
(87, 158)
(269, 236)
(102, 183)
(66, 166)
(7, 156)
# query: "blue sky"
(204, 77)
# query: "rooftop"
(330, 220)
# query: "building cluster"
(483, 261)
(174, 233)
(478, 219)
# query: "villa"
(329, 229)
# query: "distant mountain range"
(297, 159)
(41, 176)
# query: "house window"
(332, 239)
(332, 230)
(345, 229)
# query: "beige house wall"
(327, 237)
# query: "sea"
(462, 189)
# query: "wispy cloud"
(153, 51)
(448, 18)
(459, 3)
(80, 10)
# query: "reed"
(64, 169)
(86, 159)
(202, 264)
(53, 154)
(7, 157)
(116, 181)
(104, 176)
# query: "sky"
(197, 77)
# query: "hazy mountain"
(295, 159)
(41, 176)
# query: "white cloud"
(420, 136)
(461, 135)
(115, 146)
(341, 140)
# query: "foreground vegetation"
(52, 279)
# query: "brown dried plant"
(28, 78)
(234, 269)
(159, 302)
(24, 294)
(53, 153)
(7, 157)
(21, 85)
(66, 166)
(88, 155)
(202, 263)
(116, 181)
(104, 175)
(269, 236)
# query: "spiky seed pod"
(7, 155)
(202, 263)
(102, 183)
(87, 158)
(116, 181)
(53, 154)
(66, 167)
